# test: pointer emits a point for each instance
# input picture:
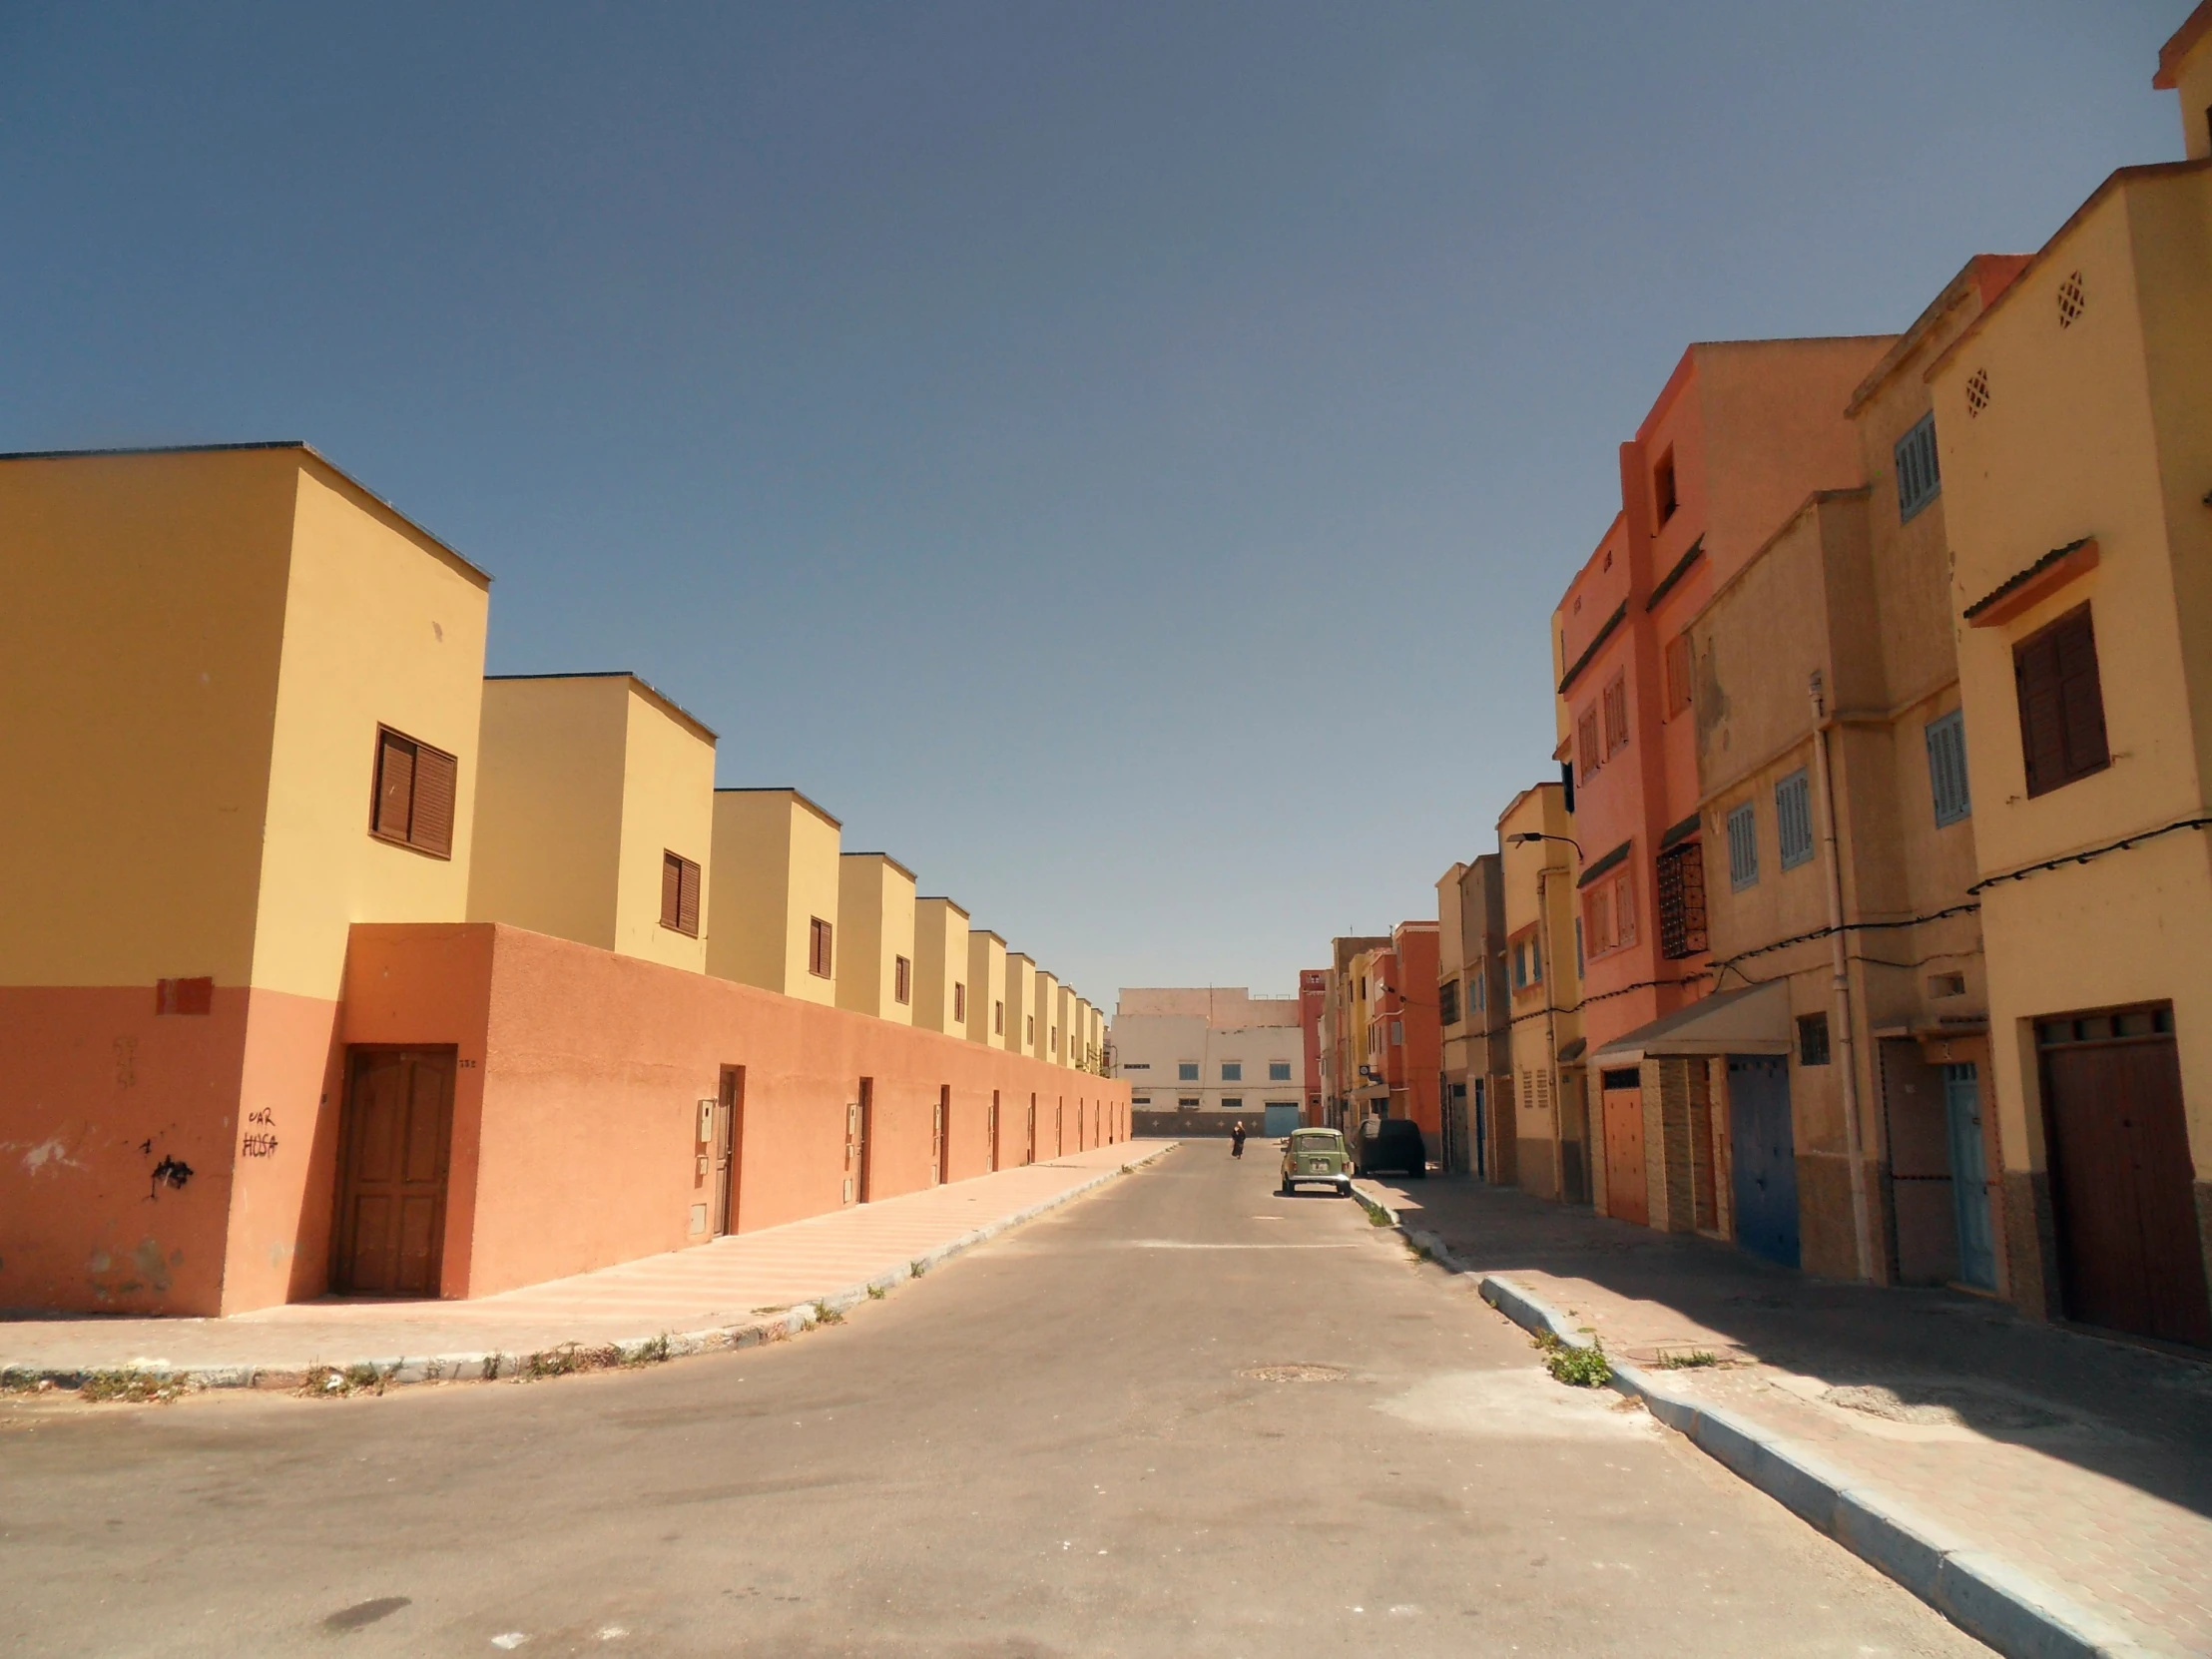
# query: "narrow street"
(1185, 1416)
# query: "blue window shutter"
(1919, 478)
(1743, 847)
(1792, 812)
(1946, 767)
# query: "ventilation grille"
(1977, 391)
(2072, 300)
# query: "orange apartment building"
(1405, 1044)
(1740, 434)
(343, 972)
(1313, 1000)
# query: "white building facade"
(1210, 1056)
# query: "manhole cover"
(1295, 1374)
(1944, 1404)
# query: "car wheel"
(1419, 1172)
(1288, 1189)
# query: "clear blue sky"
(1118, 457)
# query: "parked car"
(1393, 1144)
(1313, 1156)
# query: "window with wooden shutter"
(1616, 715)
(959, 1003)
(1919, 480)
(1597, 921)
(1448, 1003)
(1678, 675)
(412, 801)
(903, 979)
(2062, 703)
(679, 894)
(1679, 888)
(999, 1020)
(1946, 767)
(1585, 743)
(1793, 819)
(1743, 847)
(817, 949)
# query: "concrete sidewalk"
(750, 1287)
(2070, 1471)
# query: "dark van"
(1393, 1144)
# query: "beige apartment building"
(940, 966)
(1199, 1059)
(1021, 1004)
(1044, 1009)
(594, 815)
(875, 909)
(776, 926)
(986, 978)
(1537, 863)
(2076, 456)
(1470, 1012)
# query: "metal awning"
(1755, 1020)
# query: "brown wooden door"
(1627, 1194)
(395, 1142)
(863, 1118)
(2130, 1256)
(990, 1134)
(941, 1150)
(1029, 1134)
(728, 1139)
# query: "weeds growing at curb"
(826, 1314)
(1379, 1218)
(917, 1268)
(877, 1293)
(1692, 1360)
(136, 1388)
(21, 1379)
(1579, 1368)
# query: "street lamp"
(1523, 837)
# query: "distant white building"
(1211, 1054)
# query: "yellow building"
(594, 815)
(1537, 863)
(942, 966)
(1044, 1006)
(2076, 449)
(256, 690)
(1063, 1021)
(986, 978)
(1021, 1004)
(775, 917)
(1083, 1053)
(875, 907)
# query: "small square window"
(1186, 1071)
(1232, 1071)
(1811, 1039)
(1279, 1071)
(1231, 1103)
(679, 894)
(412, 800)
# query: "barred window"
(1680, 888)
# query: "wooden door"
(2129, 1252)
(1627, 1192)
(859, 1120)
(1029, 1134)
(1969, 1177)
(990, 1134)
(395, 1142)
(1765, 1146)
(728, 1142)
(940, 1146)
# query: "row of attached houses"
(1864, 923)
(330, 964)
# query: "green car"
(1316, 1155)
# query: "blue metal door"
(1969, 1177)
(1766, 1156)
(1280, 1117)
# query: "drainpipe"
(1551, 1030)
(1847, 1053)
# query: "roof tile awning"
(1755, 1020)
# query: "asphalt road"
(1069, 1442)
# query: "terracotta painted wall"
(574, 1134)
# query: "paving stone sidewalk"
(2083, 1464)
(749, 1283)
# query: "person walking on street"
(1236, 1140)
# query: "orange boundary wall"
(574, 1132)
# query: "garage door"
(2130, 1255)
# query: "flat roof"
(888, 859)
(668, 704)
(439, 542)
(814, 807)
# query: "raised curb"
(1985, 1596)
(396, 1370)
